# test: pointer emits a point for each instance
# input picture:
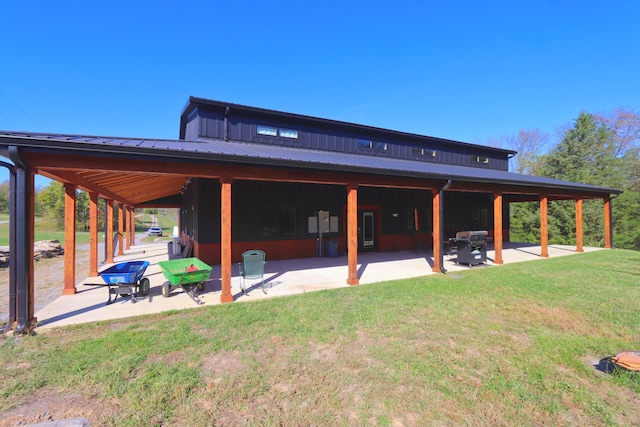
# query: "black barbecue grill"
(470, 246)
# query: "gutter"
(12, 248)
(19, 242)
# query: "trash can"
(331, 248)
(177, 245)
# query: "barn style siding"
(243, 127)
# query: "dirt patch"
(51, 405)
(48, 277)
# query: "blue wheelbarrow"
(126, 279)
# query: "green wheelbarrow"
(188, 274)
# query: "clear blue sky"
(464, 70)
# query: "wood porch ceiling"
(130, 188)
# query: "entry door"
(368, 230)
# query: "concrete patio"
(286, 277)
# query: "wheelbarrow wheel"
(144, 286)
(166, 289)
(201, 286)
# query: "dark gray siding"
(191, 128)
(201, 209)
(243, 127)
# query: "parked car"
(155, 231)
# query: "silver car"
(155, 231)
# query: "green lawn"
(44, 230)
(508, 345)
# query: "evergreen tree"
(586, 154)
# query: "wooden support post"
(579, 232)
(108, 235)
(497, 228)
(437, 237)
(607, 223)
(93, 234)
(127, 230)
(544, 225)
(225, 239)
(132, 222)
(352, 234)
(120, 229)
(69, 239)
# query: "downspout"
(440, 243)
(12, 248)
(20, 255)
(226, 123)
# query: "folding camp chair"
(252, 267)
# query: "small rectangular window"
(363, 143)
(267, 130)
(288, 133)
(381, 146)
(372, 145)
(480, 159)
(423, 152)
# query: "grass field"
(503, 346)
(45, 230)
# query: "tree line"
(596, 149)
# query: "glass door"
(368, 230)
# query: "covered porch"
(283, 277)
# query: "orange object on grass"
(628, 359)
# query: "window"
(278, 221)
(274, 131)
(288, 133)
(267, 130)
(372, 145)
(480, 159)
(423, 152)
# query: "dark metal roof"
(194, 102)
(272, 155)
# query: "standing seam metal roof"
(254, 153)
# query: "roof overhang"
(139, 172)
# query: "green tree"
(586, 154)
(50, 202)
(4, 197)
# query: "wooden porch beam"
(127, 238)
(93, 234)
(225, 239)
(109, 232)
(67, 176)
(544, 226)
(607, 223)
(437, 237)
(120, 229)
(352, 234)
(579, 233)
(497, 228)
(69, 239)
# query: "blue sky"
(465, 70)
